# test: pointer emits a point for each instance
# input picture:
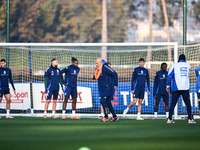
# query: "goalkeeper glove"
(46, 91)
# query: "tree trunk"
(167, 27)
(150, 29)
(104, 32)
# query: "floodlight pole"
(8, 31)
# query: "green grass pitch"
(51, 134)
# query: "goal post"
(28, 62)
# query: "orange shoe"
(63, 116)
(104, 119)
(45, 116)
(154, 118)
(74, 117)
(54, 116)
(114, 119)
(9, 117)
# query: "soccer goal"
(28, 62)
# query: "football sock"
(8, 112)
(127, 109)
(155, 114)
(73, 112)
(63, 112)
(167, 114)
(138, 114)
(53, 112)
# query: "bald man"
(105, 76)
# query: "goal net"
(28, 62)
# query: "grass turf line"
(39, 133)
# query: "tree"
(150, 29)
(104, 32)
(167, 27)
(2, 20)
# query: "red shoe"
(105, 119)
(63, 116)
(74, 117)
(45, 116)
(54, 116)
(154, 118)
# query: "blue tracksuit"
(159, 88)
(197, 71)
(139, 77)
(179, 73)
(107, 79)
(5, 76)
(71, 75)
(54, 77)
(113, 80)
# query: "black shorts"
(4, 91)
(164, 96)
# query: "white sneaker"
(191, 121)
(125, 112)
(170, 121)
(139, 118)
(100, 117)
(9, 117)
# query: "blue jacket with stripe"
(71, 75)
(160, 83)
(139, 77)
(197, 71)
(5, 77)
(113, 80)
(107, 79)
(54, 76)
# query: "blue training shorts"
(54, 93)
(71, 91)
(139, 94)
(164, 96)
(4, 91)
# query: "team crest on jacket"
(141, 71)
(74, 71)
(4, 72)
(163, 75)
